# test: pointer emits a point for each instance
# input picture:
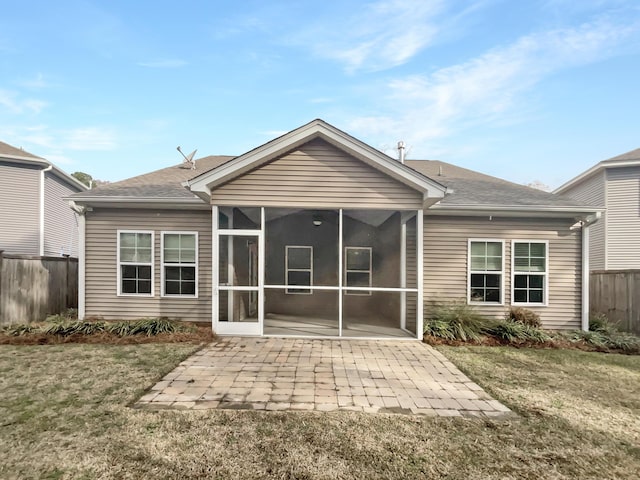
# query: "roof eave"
(138, 202)
(531, 211)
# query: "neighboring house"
(613, 185)
(34, 218)
(317, 233)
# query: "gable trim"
(204, 183)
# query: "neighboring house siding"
(445, 263)
(60, 223)
(19, 208)
(101, 264)
(592, 192)
(623, 218)
(317, 175)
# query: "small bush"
(456, 321)
(598, 322)
(65, 329)
(20, 330)
(517, 332)
(525, 316)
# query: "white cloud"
(36, 83)
(14, 104)
(383, 35)
(421, 108)
(164, 63)
(88, 138)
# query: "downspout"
(81, 211)
(42, 177)
(586, 270)
(585, 277)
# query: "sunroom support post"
(340, 269)
(215, 266)
(403, 272)
(420, 273)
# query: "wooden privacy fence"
(616, 293)
(33, 287)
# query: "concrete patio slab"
(324, 375)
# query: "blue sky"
(525, 90)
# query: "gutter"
(42, 178)
(514, 210)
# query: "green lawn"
(64, 414)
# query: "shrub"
(456, 321)
(19, 330)
(65, 329)
(598, 322)
(517, 332)
(525, 316)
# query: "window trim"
(545, 274)
(348, 290)
(501, 272)
(298, 289)
(119, 264)
(163, 264)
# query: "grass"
(64, 414)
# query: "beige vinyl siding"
(445, 263)
(623, 218)
(101, 264)
(592, 192)
(19, 208)
(60, 223)
(317, 175)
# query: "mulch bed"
(558, 343)
(201, 334)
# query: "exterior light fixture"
(317, 220)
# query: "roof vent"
(401, 151)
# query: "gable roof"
(628, 159)
(204, 183)
(18, 156)
(468, 191)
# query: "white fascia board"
(513, 211)
(140, 202)
(593, 170)
(316, 129)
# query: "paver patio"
(307, 374)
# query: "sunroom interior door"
(239, 294)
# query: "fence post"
(66, 281)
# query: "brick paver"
(324, 375)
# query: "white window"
(299, 269)
(135, 263)
(357, 269)
(486, 271)
(180, 264)
(529, 269)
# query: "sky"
(526, 90)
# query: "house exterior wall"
(317, 175)
(101, 299)
(446, 253)
(19, 208)
(623, 218)
(60, 223)
(593, 192)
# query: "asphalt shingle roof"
(470, 187)
(475, 188)
(10, 150)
